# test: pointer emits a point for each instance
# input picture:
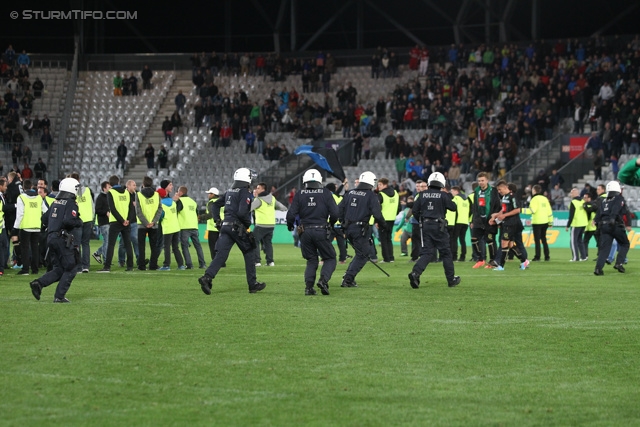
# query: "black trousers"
(435, 239)
(489, 234)
(172, 243)
(416, 242)
(363, 247)
(338, 234)
(116, 228)
(143, 232)
(460, 235)
(30, 248)
(540, 237)
(228, 237)
(314, 242)
(586, 238)
(386, 242)
(607, 234)
(213, 239)
(64, 265)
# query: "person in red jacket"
(408, 117)
(225, 134)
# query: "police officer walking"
(61, 218)
(315, 205)
(233, 230)
(609, 220)
(430, 210)
(355, 210)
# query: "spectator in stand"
(133, 85)
(225, 135)
(250, 139)
(121, 154)
(180, 101)
(27, 154)
(27, 172)
(117, 85)
(146, 75)
(24, 59)
(149, 154)
(163, 157)
(167, 130)
(557, 198)
(40, 169)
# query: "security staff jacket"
(540, 210)
(264, 207)
(187, 213)
(462, 209)
(86, 207)
(237, 206)
(211, 224)
(148, 207)
(314, 206)
(432, 205)
(29, 212)
(119, 200)
(389, 203)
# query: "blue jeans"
(104, 231)
(134, 240)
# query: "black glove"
(290, 227)
(219, 224)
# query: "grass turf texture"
(553, 345)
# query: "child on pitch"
(510, 226)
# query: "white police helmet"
(70, 185)
(311, 175)
(614, 186)
(436, 179)
(368, 178)
(242, 174)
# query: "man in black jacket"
(102, 212)
(119, 199)
(146, 75)
(486, 202)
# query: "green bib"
(389, 205)
(170, 222)
(462, 206)
(266, 213)
(121, 203)
(149, 206)
(32, 212)
(85, 205)
(580, 215)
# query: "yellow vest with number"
(390, 205)
(188, 216)
(266, 213)
(85, 205)
(462, 207)
(211, 224)
(580, 215)
(540, 210)
(32, 212)
(170, 222)
(121, 203)
(149, 205)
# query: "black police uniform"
(611, 225)
(233, 230)
(429, 210)
(64, 253)
(356, 208)
(315, 206)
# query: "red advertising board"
(576, 145)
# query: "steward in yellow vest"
(462, 219)
(541, 219)
(188, 220)
(212, 229)
(29, 210)
(148, 210)
(390, 207)
(264, 206)
(119, 201)
(171, 232)
(578, 222)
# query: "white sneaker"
(271, 264)
(258, 264)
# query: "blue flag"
(325, 158)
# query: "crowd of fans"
(16, 106)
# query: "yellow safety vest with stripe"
(540, 210)
(1, 215)
(390, 205)
(188, 216)
(211, 224)
(337, 199)
(170, 222)
(590, 225)
(266, 213)
(121, 204)
(85, 205)
(580, 215)
(32, 212)
(462, 207)
(149, 205)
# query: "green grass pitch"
(552, 345)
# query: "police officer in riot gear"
(611, 225)
(234, 230)
(430, 210)
(356, 208)
(315, 205)
(64, 253)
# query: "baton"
(369, 258)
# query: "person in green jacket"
(630, 173)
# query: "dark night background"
(199, 26)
